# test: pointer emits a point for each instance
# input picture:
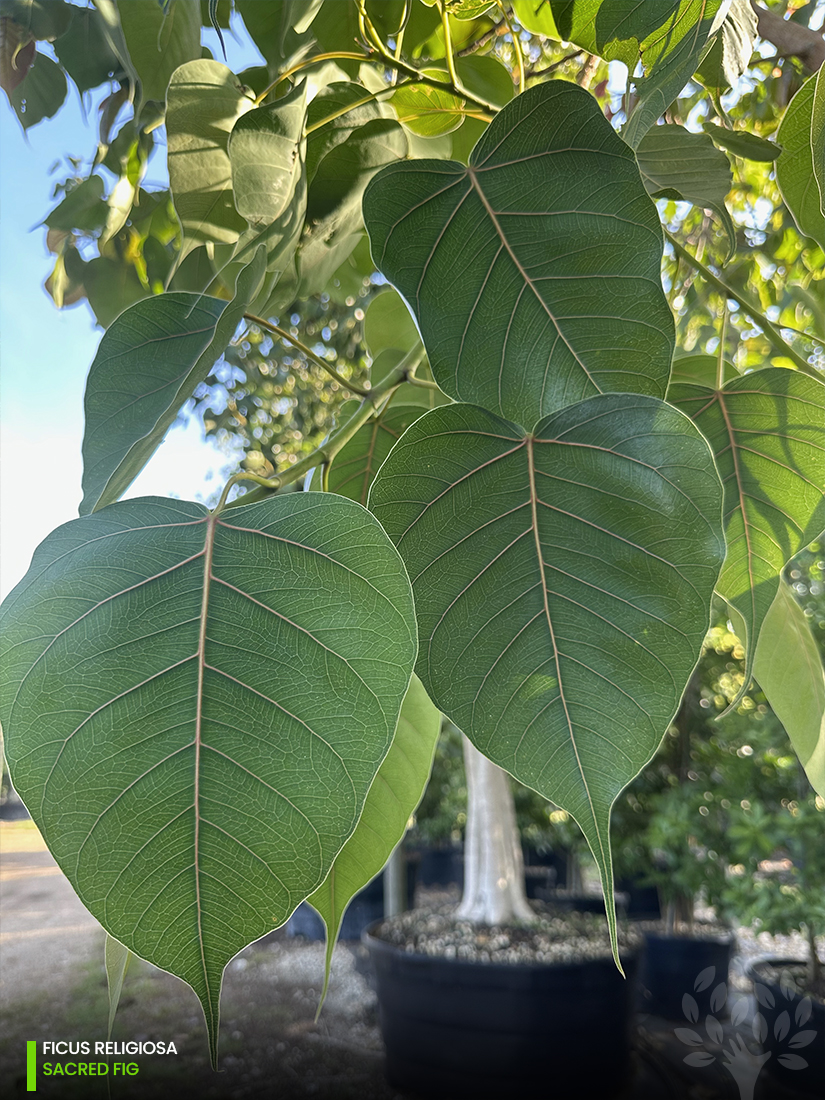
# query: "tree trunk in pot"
(493, 866)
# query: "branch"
(791, 39)
(772, 334)
(316, 359)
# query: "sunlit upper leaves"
(534, 272)
(562, 581)
(206, 700)
(159, 39)
(767, 431)
(146, 367)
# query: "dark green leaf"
(563, 582)
(341, 176)
(84, 50)
(83, 208)
(334, 114)
(43, 20)
(534, 272)
(357, 463)
(796, 168)
(699, 370)
(743, 144)
(393, 797)
(766, 431)
(672, 159)
(40, 95)
(148, 364)
(207, 723)
(788, 667)
(204, 102)
(159, 40)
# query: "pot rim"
(375, 943)
(724, 939)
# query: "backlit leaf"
(534, 271)
(563, 582)
(393, 797)
(40, 94)
(788, 668)
(766, 431)
(818, 136)
(207, 700)
(428, 111)
(796, 168)
(204, 102)
(146, 367)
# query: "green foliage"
(563, 532)
(186, 658)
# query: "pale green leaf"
(700, 370)
(730, 54)
(388, 324)
(818, 136)
(426, 110)
(206, 700)
(148, 364)
(767, 431)
(266, 149)
(204, 102)
(742, 143)
(159, 40)
(534, 272)
(117, 959)
(358, 461)
(796, 168)
(40, 95)
(788, 668)
(394, 795)
(563, 582)
(676, 163)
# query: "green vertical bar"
(31, 1066)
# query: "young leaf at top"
(147, 365)
(677, 164)
(563, 582)
(358, 461)
(203, 103)
(766, 430)
(396, 791)
(796, 168)
(195, 706)
(533, 272)
(788, 668)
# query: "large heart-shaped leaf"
(766, 431)
(393, 797)
(148, 364)
(676, 163)
(534, 271)
(358, 461)
(788, 668)
(203, 103)
(195, 707)
(563, 582)
(796, 168)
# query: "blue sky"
(45, 353)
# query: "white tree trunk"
(493, 865)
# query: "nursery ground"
(52, 986)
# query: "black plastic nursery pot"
(789, 1019)
(456, 1029)
(675, 965)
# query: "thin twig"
(556, 65)
(285, 334)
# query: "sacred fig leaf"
(396, 791)
(116, 958)
(818, 136)
(160, 38)
(533, 272)
(40, 94)
(742, 143)
(203, 103)
(426, 110)
(766, 432)
(84, 50)
(788, 667)
(676, 163)
(357, 463)
(796, 168)
(563, 581)
(195, 706)
(700, 370)
(147, 365)
(266, 149)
